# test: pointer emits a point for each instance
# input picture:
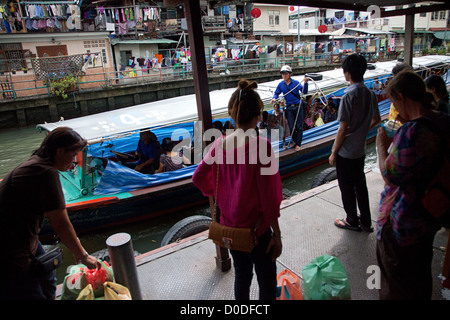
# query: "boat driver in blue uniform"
(148, 152)
(292, 90)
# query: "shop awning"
(443, 35)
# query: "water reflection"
(16, 146)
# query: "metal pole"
(298, 24)
(123, 263)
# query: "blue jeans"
(26, 285)
(266, 270)
(291, 114)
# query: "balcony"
(214, 24)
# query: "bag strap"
(291, 91)
(216, 207)
(216, 212)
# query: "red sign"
(291, 8)
(323, 28)
(256, 13)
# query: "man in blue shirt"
(291, 89)
(147, 151)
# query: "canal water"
(16, 146)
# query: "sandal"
(346, 225)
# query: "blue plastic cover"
(118, 178)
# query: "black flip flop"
(368, 229)
(346, 225)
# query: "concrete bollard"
(123, 263)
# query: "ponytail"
(245, 103)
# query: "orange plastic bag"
(96, 277)
(80, 276)
(288, 286)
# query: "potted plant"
(25, 69)
(62, 86)
(13, 71)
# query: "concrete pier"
(187, 270)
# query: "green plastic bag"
(324, 278)
(74, 283)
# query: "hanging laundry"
(339, 20)
(117, 15)
(272, 48)
(122, 28)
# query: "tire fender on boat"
(324, 176)
(314, 76)
(186, 228)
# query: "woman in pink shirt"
(249, 191)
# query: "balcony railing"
(23, 84)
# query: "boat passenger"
(436, 86)
(218, 125)
(317, 107)
(263, 123)
(377, 86)
(318, 120)
(315, 114)
(248, 196)
(148, 152)
(29, 193)
(330, 113)
(170, 159)
(227, 126)
(282, 121)
(273, 124)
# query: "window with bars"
(94, 43)
(11, 57)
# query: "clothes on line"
(124, 14)
(39, 16)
